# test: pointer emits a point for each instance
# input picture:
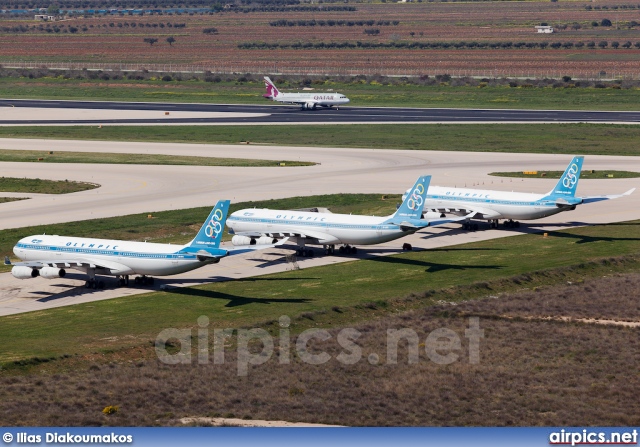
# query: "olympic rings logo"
(214, 227)
(415, 201)
(570, 179)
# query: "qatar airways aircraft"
(306, 101)
(49, 256)
(251, 226)
(495, 205)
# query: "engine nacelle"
(52, 272)
(309, 106)
(22, 272)
(246, 240)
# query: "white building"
(545, 29)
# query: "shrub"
(110, 410)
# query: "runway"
(40, 112)
(134, 189)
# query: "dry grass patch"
(531, 372)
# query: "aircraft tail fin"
(413, 204)
(210, 235)
(568, 183)
(272, 90)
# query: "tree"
(603, 44)
(150, 40)
(615, 44)
(53, 9)
(171, 39)
(605, 22)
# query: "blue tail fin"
(413, 203)
(568, 183)
(210, 234)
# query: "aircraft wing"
(76, 264)
(444, 220)
(468, 213)
(318, 237)
(416, 225)
(591, 199)
(239, 249)
(283, 234)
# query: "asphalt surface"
(284, 114)
(128, 189)
(133, 189)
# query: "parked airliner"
(306, 101)
(50, 256)
(495, 205)
(251, 226)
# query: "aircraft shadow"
(583, 239)
(159, 284)
(235, 301)
(433, 267)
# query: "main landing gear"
(123, 280)
(305, 252)
(343, 249)
(348, 249)
(511, 224)
(144, 280)
(92, 283)
(470, 226)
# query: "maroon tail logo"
(272, 92)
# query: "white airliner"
(495, 205)
(306, 101)
(251, 226)
(50, 256)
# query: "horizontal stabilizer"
(592, 199)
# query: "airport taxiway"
(128, 189)
(55, 112)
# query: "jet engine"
(22, 272)
(309, 106)
(52, 272)
(246, 240)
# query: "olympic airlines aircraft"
(252, 226)
(495, 205)
(49, 256)
(306, 101)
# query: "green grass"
(133, 321)
(180, 226)
(10, 184)
(360, 94)
(580, 139)
(11, 199)
(583, 175)
(138, 159)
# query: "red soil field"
(97, 42)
